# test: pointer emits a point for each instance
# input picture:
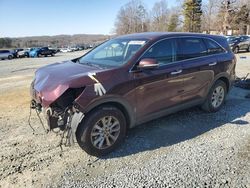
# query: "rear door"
(160, 88)
(244, 44)
(198, 68)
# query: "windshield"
(113, 53)
(230, 39)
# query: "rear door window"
(189, 47)
(164, 51)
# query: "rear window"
(190, 48)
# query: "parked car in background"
(133, 79)
(230, 38)
(239, 43)
(15, 52)
(56, 50)
(6, 54)
(44, 51)
(23, 53)
(33, 52)
(244, 44)
(244, 37)
(64, 50)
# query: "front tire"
(101, 131)
(216, 97)
(10, 57)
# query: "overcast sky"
(53, 17)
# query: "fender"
(85, 106)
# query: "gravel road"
(186, 149)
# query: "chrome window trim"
(175, 62)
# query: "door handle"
(212, 64)
(176, 72)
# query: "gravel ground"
(186, 149)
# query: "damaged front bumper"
(60, 112)
(65, 121)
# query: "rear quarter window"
(213, 47)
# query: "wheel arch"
(119, 103)
(226, 81)
(223, 77)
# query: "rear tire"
(101, 131)
(10, 57)
(216, 97)
(248, 48)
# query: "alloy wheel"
(105, 132)
(218, 96)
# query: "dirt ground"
(30, 159)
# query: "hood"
(53, 80)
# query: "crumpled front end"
(55, 93)
(60, 114)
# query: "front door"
(160, 88)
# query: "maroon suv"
(132, 79)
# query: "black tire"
(52, 54)
(39, 55)
(86, 127)
(248, 49)
(208, 105)
(236, 49)
(10, 57)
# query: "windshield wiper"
(90, 64)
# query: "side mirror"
(148, 64)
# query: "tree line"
(188, 16)
(53, 41)
(210, 16)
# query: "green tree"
(173, 22)
(192, 15)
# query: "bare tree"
(160, 16)
(210, 9)
(131, 18)
(226, 16)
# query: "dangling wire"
(38, 115)
(29, 120)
